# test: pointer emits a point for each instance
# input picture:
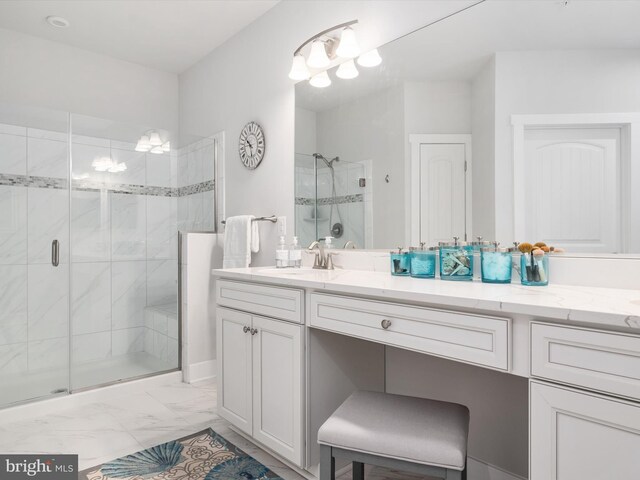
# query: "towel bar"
(272, 219)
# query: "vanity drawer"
(276, 302)
(604, 361)
(460, 336)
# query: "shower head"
(328, 163)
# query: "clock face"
(251, 145)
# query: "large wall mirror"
(511, 120)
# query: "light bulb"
(370, 59)
(154, 139)
(318, 56)
(347, 70)
(321, 80)
(299, 70)
(157, 149)
(141, 147)
(348, 47)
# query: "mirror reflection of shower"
(337, 229)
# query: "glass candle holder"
(400, 263)
(496, 264)
(456, 261)
(423, 263)
(534, 269)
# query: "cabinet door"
(277, 387)
(579, 436)
(234, 367)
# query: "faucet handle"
(329, 261)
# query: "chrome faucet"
(323, 260)
(350, 244)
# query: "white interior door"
(277, 387)
(234, 368)
(571, 184)
(443, 190)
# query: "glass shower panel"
(124, 252)
(34, 253)
(330, 199)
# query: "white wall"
(483, 131)
(47, 74)
(437, 107)
(597, 81)
(305, 131)
(246, 79)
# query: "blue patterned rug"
(204, 455)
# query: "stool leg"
(327, 464)
(357, 471)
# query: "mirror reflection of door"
(442, 206)
(572, 188)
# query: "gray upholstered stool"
(411, 434)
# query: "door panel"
(442, 192)
(572, 188)
(576, 435)
(234, 368)
(277, 387)
(34, 293)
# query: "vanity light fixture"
(327, 46)
(320, 80)
(347, 70)
(106, 164)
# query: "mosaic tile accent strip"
(33, 181)
(358, 197)
(93, 186)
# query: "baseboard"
(478, 470)
(197, 372)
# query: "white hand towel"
(238, 241)
(255, 237)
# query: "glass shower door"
(34, 254)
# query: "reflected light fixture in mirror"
(370, 59)
(152, 142)
(320, 80)
(347, 70)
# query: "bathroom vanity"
(293, 344)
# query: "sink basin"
(285, 271)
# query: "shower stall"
(89, 221)
(331, 194)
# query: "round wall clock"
(251, 145)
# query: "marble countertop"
(605, 306)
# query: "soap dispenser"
(295, 254)
(282, 254)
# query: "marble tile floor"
(123, 424)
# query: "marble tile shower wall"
(123, 229)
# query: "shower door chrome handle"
(55, 253)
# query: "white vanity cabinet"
(578, 435)
(260, 383)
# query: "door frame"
(629, 125)
(412, 179)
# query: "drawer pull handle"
(254, 331)
(246, 329)
(385, 323)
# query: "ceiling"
(458, 47)
(168, 35)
